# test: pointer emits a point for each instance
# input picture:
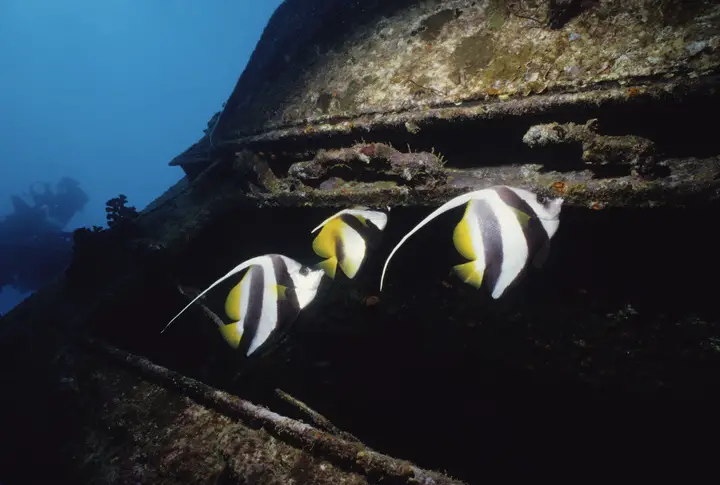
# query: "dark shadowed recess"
(601, 359)
(677, 122)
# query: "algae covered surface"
(101, 424)
(410, 56)
(452, 89)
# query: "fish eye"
(304, 270)
(542, 199)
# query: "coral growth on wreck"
(118, 212)
(97, 251)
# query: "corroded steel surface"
(468, 80)
(419, 55)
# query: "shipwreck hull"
(607, 357)
(466, 81)
(584, 361)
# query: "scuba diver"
(34, 248)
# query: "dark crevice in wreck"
(678, 128)
(616, 331)
(350, 173)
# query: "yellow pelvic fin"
(324, 242)
(469, 273)
(281, 292)
(522, 217)
(232, 334)
(232, 302)
(329, 266)
(462, 237)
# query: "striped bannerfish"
(346, 239)
(268, 298)
(502, 230)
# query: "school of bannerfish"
(502, 231)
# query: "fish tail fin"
(469, 273)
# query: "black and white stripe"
(268, 298)
(503, 228)
(512, 234)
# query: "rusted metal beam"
(351, 454)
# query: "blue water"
(109, 92)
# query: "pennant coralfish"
(502, 230)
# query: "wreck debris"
(351, 454)
(212, 122)
(692, 182)
(412, 127)
(495, 109)
(374, 161)
(444, 67)
(123, 239)
(637, 152)
(317, 419)
(191, 294)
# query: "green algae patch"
(474, 53)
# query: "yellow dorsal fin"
(324, 242)
(232, 334)
(462, 237)
(232, 303)
(469, 273)
(245, 264)
(447, 206)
